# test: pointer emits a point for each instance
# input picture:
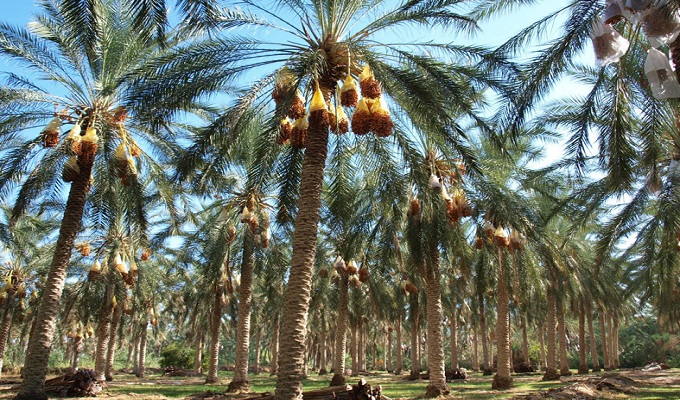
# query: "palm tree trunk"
(142, 348)
(388, 350)
(551, 361)
(475, 350)
(68, 349)
(353, 348)
(603, 337)
(198, 347)
(593, 340)
(258, 339)
(215, 325)
(340, 336)
(486, 362)
(306, 360)
(111, 351)
(40, 343)
(503, 378)
(103, 329)
(322, 348)
(562, 331)
(490, 339)
(583, 362)
(615, 340)
(435, 339)
(541, 336)
(415, 343)
(399, 352)
(296, 304)
(317, 352)
(362, 346)
(240, 381)
(131, 350)
(275, 347)
(135, 353)
(454, 341)
(5, 328)
(525, 342)
(77, 348)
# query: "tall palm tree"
(83, 78)
(317, 50)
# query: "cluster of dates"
(370, 111)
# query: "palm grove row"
(305, 172)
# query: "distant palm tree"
(83, 68)
(24, 247)
(637, 142)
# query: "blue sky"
(494, 31)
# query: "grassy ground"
(476, 387)
(665, 385)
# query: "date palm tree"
(636, 140)
(24, 248)
(320, 44)
(74, 78)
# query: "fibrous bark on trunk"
(198, 347)
(142, 348)
(435, 340)
(582, 348)
(298, 292)
(77, 349)
(215, 325)
(40, 343)
(8, 311)
(258, 339)
(353, 348)
(475, 350)
(604, 340)
(275, 347)
(615, 341)
(362, 346)
(503, 378)
(388, 350)
(562, 330)
(486, 360)
(525, 342)
(340, 334)
(240, 381)
(551, 359)
(104, 328)
(398, 369)
(593, 340)
(322, 348)
(453, 338)
(111, 352)
(415, 342)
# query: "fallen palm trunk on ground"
(81, 383)
(360, 391)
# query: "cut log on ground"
(456, 374)
(81, 383)
(361, 391)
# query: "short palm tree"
(74, 73)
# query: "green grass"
(477, 387)
(655, 393)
